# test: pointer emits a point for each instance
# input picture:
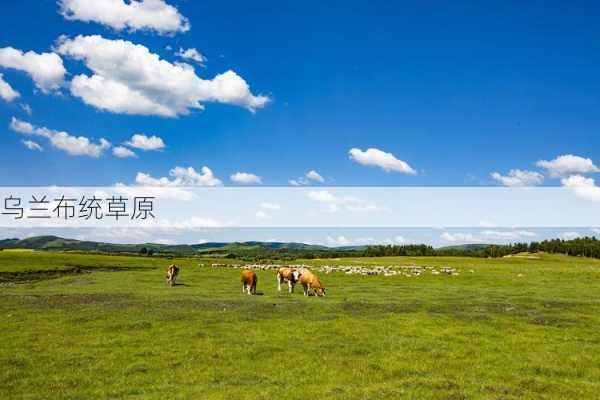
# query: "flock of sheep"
(401, 270)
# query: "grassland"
(76, 326)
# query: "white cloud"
(180, 177)
(201, 222)
(457, 237)
(7, 93)
(73, 145)
(345, 203)
(155, 15)
(570, 235)
(246, 178)
(311, 175)
(170, 187)
(369, 207)
(567, 164)
(376, 158)
(261, 214)
(397, 240)
(191, 54)
(487, 236)
(339, 240)
(129, 79)
(191, 224)
(123, 152)
(168, 193)
(595, 230)
(21, 126)
(46, 69)
(31, 145)
(271, 206)
(314, 175)
(583, 187)
(324, 196)
(348, 241)
(519, 178)
(143, 142)
(26, 108)
(121, 234)
(507, 235)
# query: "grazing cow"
(172, 273)
(249, 280)
(289, 275)
(310, 282)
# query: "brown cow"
(289, 275)
(172, 273)
(310, 282)
(249, 280)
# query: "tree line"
(585, 247)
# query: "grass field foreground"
(95, 326)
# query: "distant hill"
(56, 243)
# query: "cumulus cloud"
(191, 54)
(570, 235)
(397, 240)
(457, 237)
(143, 142)
(325, 196)
(507, 235)
(129, 79)
(31, 145)
(339, 240)
(314, 175)
(175, 227)
(311, 175)
(46, 69)
(170, 187)
(261, 214)
(376, 158)
(271, 206)
(26, 108)
(568, 164)
(345, 203)
(246, 178)
(134, 15)
(123, 152)
(487, 236)
(519, 178)
(73, 145)
(7, 93)
(180, 177)
(342, 240)
(583, 187)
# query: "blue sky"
(457, 91)
(446, 93)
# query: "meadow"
(83, 326)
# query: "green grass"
(110, 327)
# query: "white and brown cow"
(289, 275)
(172, 273)
(310, 282)
(249, 281)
